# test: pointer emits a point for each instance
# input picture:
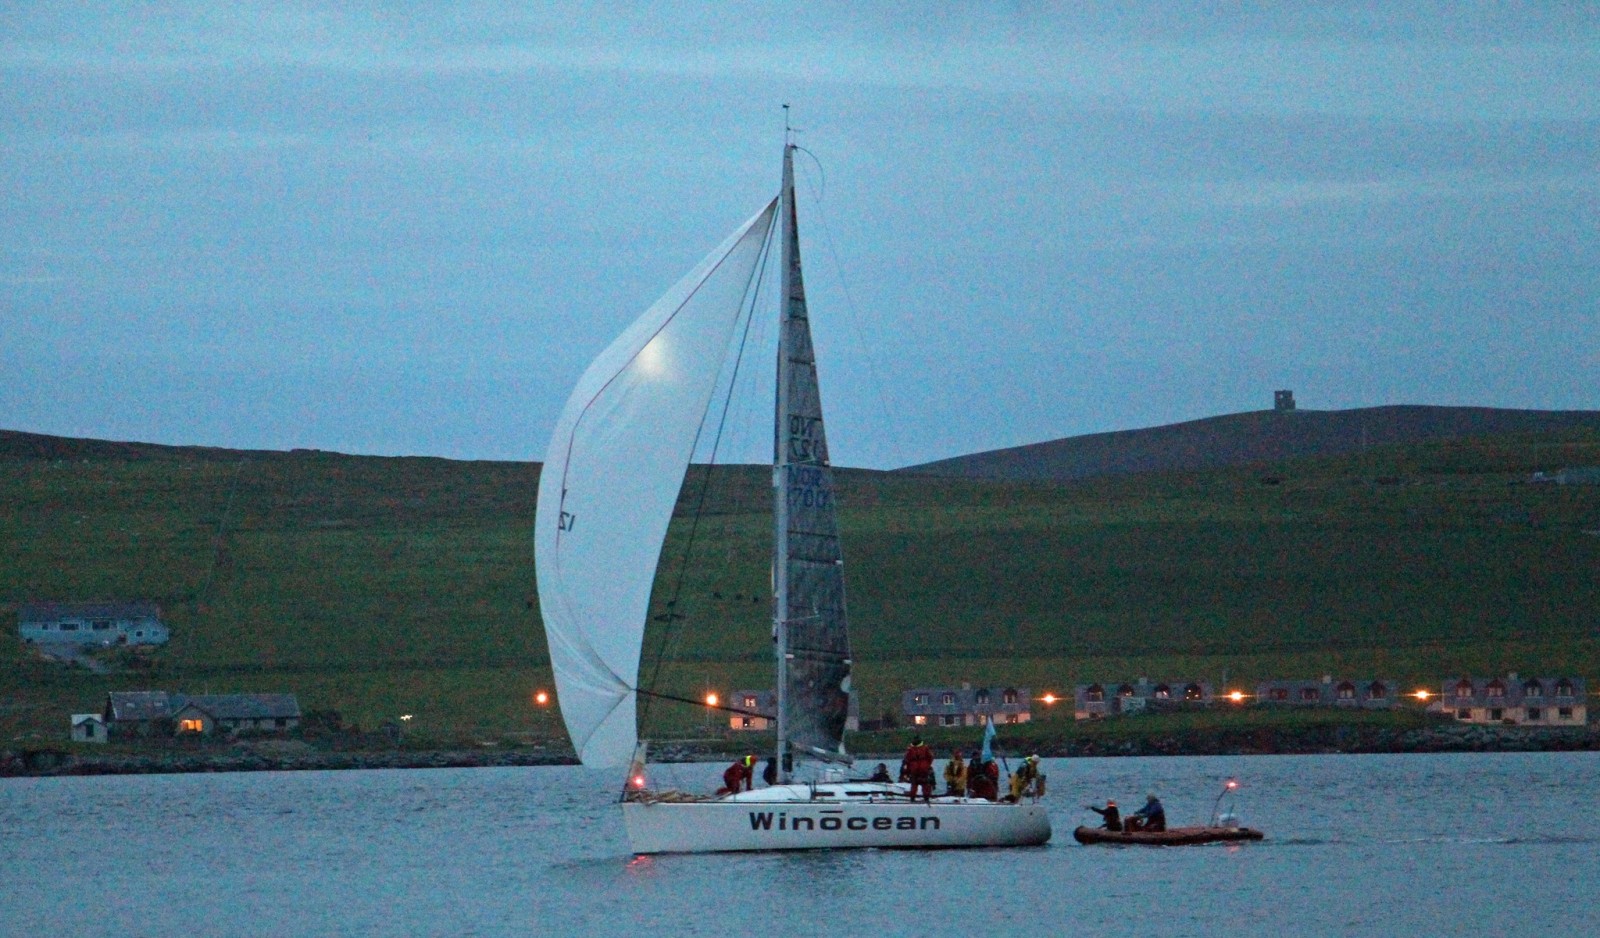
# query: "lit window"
(749, 701)
(1192, 692)
(920, 720)
(1011, 718)
(191, 726)
(1125, 691)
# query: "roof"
(50, 612)
(965, 700)
(243, 706)
(139, 705)
(81, 718)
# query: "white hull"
(787, 817)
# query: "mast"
(780, 459)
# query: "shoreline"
(293, 756)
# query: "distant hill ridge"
(1242, 439)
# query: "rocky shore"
(292, 756)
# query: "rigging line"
(855, 316)
(758, 277)
(701, 703)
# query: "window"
(750, 701)
(983, 697)
(1533, 689)
(1463, 714)
(1346, 691)
(1563, 688)
(920, 720)
(1310, 694)
(1163, 692)
(1495, 689)
(1376, 691)
(1535, 714)
(101, 625)
(191, 726)
(1495, 713)
(1564, 713)
(1011, 718)
(1124, 691)
(744, 723)
(1095, 693)
(947, 699)
(1192, 692)
(1464, 689)
(1010, 696)
(949, 719)
(1278, 693)
(69, 626)
(919, 700)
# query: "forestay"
(609, 483)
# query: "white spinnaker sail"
(609, 483)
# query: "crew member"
(741, 772)
(1027, 780)
(881, 774)
(983, 778)
(955, 776)
(1152, 817)
(769, 773)
(1111, 817)
(917, 768)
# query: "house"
(88, 728)
(105, 624)
(966, 705)
(235, 713)
(763, 707)
(1098, 700)
(1535, 701)
(137, 713)
(1363, 693)
(763, 702)
(150, 713)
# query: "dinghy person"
(1151, 817)
(1110, 815)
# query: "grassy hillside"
(381, 586)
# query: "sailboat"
(616, 461)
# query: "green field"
(382, 586)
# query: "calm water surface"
(1369, 845)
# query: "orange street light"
(1237, 696)
(711, 698)
(1050, 699)
(1422, 695)
(541, 697)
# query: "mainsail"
(814, 644)
(609, 483)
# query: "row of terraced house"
(1537, 701)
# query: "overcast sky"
(407, 233)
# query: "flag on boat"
(988, 739)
